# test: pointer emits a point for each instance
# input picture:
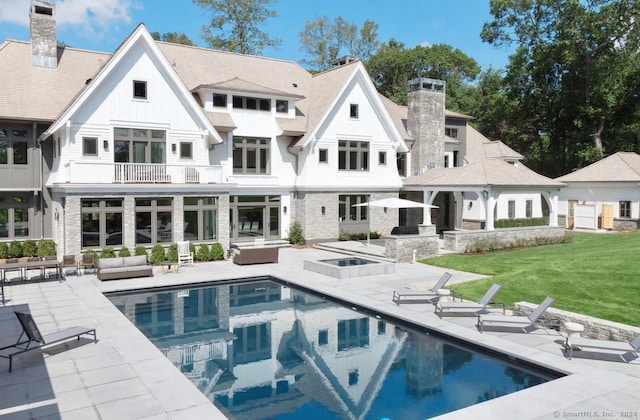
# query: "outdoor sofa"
(124, 267)
(261, 255)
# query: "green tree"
(173, 37)
(571, 75)
(323, 40)
(235, 25)
(393, 65)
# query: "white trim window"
(353, 155)
(251, 155)
(89, 146)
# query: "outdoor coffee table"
(170, 267)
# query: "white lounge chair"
(625, 351)
(470, 308)
(400, 295)
(185, 256)
(30, 329)
(526, 323)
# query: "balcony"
(142, 173)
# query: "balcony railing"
(142, 173)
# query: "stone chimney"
(44, 45)
(425, 122)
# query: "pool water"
(260, 349)
(348, 262)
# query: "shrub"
(216, 252)
(124, 252)
(4, 250)
(29, 248)
(108, 253)
(140, 250)
(375, 235)
(157, 255)
(295, 234)
(46, 248)
(172, 253)
(344, 236)
(192, 249)
(203, 253)
(15, 249)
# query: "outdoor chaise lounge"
(468, 308)
(428, 294)
(625, 351)
(526, 323)
(30, 329)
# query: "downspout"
(40, 179)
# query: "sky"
(102, 25)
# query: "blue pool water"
(259, 349)
(348, 262)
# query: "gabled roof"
(483, 173)
(619, 167)
(479, 147)
(39, 94)
(139, 34)
(244, 86)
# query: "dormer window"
(353, 111)
(451, 132)
(139, 89)
(220, 100)
(242, 102)
(282, 106)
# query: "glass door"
(250, 222)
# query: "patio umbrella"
(392, 203)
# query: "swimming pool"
(260, 349)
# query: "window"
(382, 158)
(353, 111)
(323, 156)
(353, 155)
(253, 343)
(625, 209)
(282, 106)
(242, 102)
(220, 100)
(154, 221)
(251, 155)
(135, 145)
(353, 333)
(382, 327)
(14, 215)
(511, 209)
(529, 209)
(323, 337)
(90, 146)
(353, 377)
(102, 224)
(451, 132)
(446, 161)
(139, 89)
(200, 218)
(186, 151)
(401, 162)
(348, 211)
(14, 146)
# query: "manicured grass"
(595, 274)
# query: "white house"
(603, 195)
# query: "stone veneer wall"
(596, 328)
(401, 247)
(459, 240)
(626, 224)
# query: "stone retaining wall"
(401, 247)
(459, 240)
(593, 327)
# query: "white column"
(489, 205)
(553, 209)
(426, 211)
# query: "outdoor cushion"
(135, 260)
(110, 262)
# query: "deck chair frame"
(404, 295)
(185, 256)
(469, 307)
(626, 351)
(527, 323)
(35, 340)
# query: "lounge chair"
(470, 308)
(526, 323)
(30, 329)
(626, 351)
(399, 296)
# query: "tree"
(392, 66)
(235, 25)
(572, 69)
(173, 37)
(324, 41)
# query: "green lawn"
(595, 274)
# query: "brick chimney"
(425, 124)
(44, 45)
